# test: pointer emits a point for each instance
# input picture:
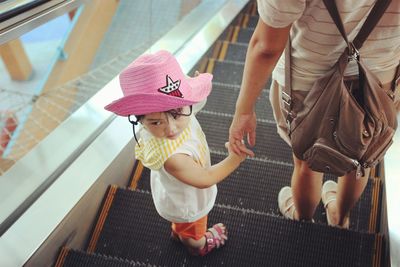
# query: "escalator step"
(252, 186)
(133, 230)
(227, 34)
(244, 35)
(220, 51)
(252, 21)
(256, 186)
(268, 144)
(223, 97)
(236, 52)
(73, 258)
(227, 72)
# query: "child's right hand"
(241, 157)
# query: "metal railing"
(19, 17)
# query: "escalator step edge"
(73, 258)
(133, 230)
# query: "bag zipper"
(350, 160)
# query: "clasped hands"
(243, 125)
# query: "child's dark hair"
(174, 113)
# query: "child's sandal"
(215, 238)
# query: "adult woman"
(316, 45)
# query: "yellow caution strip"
(61, 257)
(254, 9)
(248, 8)
(137, 174)
(229, 34)
(374, 205)
(238, 21)
(380, 170)
(216, 49)
(203, 64)
(210, 66)
(245, 21)
(102, 218)
(235, 34)
(373, 172)
(377, 258)
(224, 50)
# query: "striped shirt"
(317, 43)
(176, 201)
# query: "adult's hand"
(243, 125)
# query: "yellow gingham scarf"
(153, 152)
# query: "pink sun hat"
(156, 83)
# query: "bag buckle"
(360, 171)
(354, 54)
(287, 100)
(391, 94)
(289, 119)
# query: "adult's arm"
(265, 47)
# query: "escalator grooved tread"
(131, 234)
(236, 52)
(75, 258)
(256, 186)
(252, 22)
(269, 145)
(243, 35)
(228, 72)
(229, 95)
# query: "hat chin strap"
(134, 123)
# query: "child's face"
(168, 124)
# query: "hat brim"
(140, 104)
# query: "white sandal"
(285, 202)
(331, 187)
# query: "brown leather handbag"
(344, 123)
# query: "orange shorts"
(195, 230)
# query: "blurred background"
(71, 191)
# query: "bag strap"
(373, 17)
(352, 50)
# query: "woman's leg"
(348, 192)
(306, 189)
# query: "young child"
(173, 145)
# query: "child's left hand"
(241, 156)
